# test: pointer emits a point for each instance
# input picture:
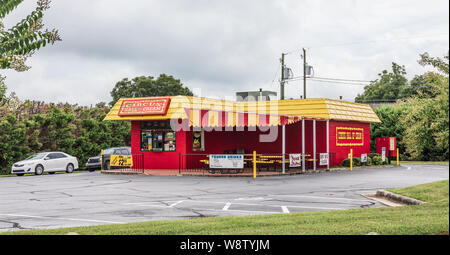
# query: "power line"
(336, 79)
(338, 82)
(332, 80)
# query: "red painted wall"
(216, 142)
(158, 160)
(343, 151)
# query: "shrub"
(356, 162)
(377, 160)
(373, 154)
(369, 161)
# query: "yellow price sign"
(121, 160)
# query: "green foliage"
(369, 161)
(421, 120)
(79, 131)
(427, 119)
(390, 125)
(20, 41)
(2, 91)
(356, 162)
(147, 86)
(377, 160)
(373, 154)
(389, 86)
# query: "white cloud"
(227, 46)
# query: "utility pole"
(282, 77)
(304, 73)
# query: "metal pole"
(328, 144)
(314, 144)
(282, 77)
(351, 159)
(254, 164)
(303, 145)
(283, 136)
(304, 73)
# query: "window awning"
(212, 118)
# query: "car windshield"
(36, 156)
(108, 151)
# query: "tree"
(22, 40)
(2, 91)
(420, 86)
(390, 125)
(147, 86)
(427, 122)
(389, 86)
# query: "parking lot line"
(176, 203)
(317, 197)
(225, 208)
(57, 218)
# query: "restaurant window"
(198, 140)
(159, 138)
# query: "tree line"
(27, 127)
(420, 117)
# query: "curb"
(398, 198)
(251, 175)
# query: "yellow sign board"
(121, 160)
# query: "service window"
(158, 140)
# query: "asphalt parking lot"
(82, 199)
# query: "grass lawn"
(429, 218)
(444, 163)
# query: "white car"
(50, 162)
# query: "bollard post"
(254, 164)
(351, 159)
(398, 162)
(101, 161)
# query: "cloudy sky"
(218, 47)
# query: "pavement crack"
(15, 225)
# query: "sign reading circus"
(154, 106)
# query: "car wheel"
(69, 168)
(19, 174)
(38, 170)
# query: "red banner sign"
(348, 136)
(150, 106)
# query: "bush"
(377, 160)
(369, 161)
(373, 154)
(356, 162)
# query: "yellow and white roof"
(214, 112)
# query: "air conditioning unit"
(255, 95)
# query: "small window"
(52, 156)
(155, 140)
(124, 152)
(60, 155)
(198, 141)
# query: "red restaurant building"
(164, 129)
